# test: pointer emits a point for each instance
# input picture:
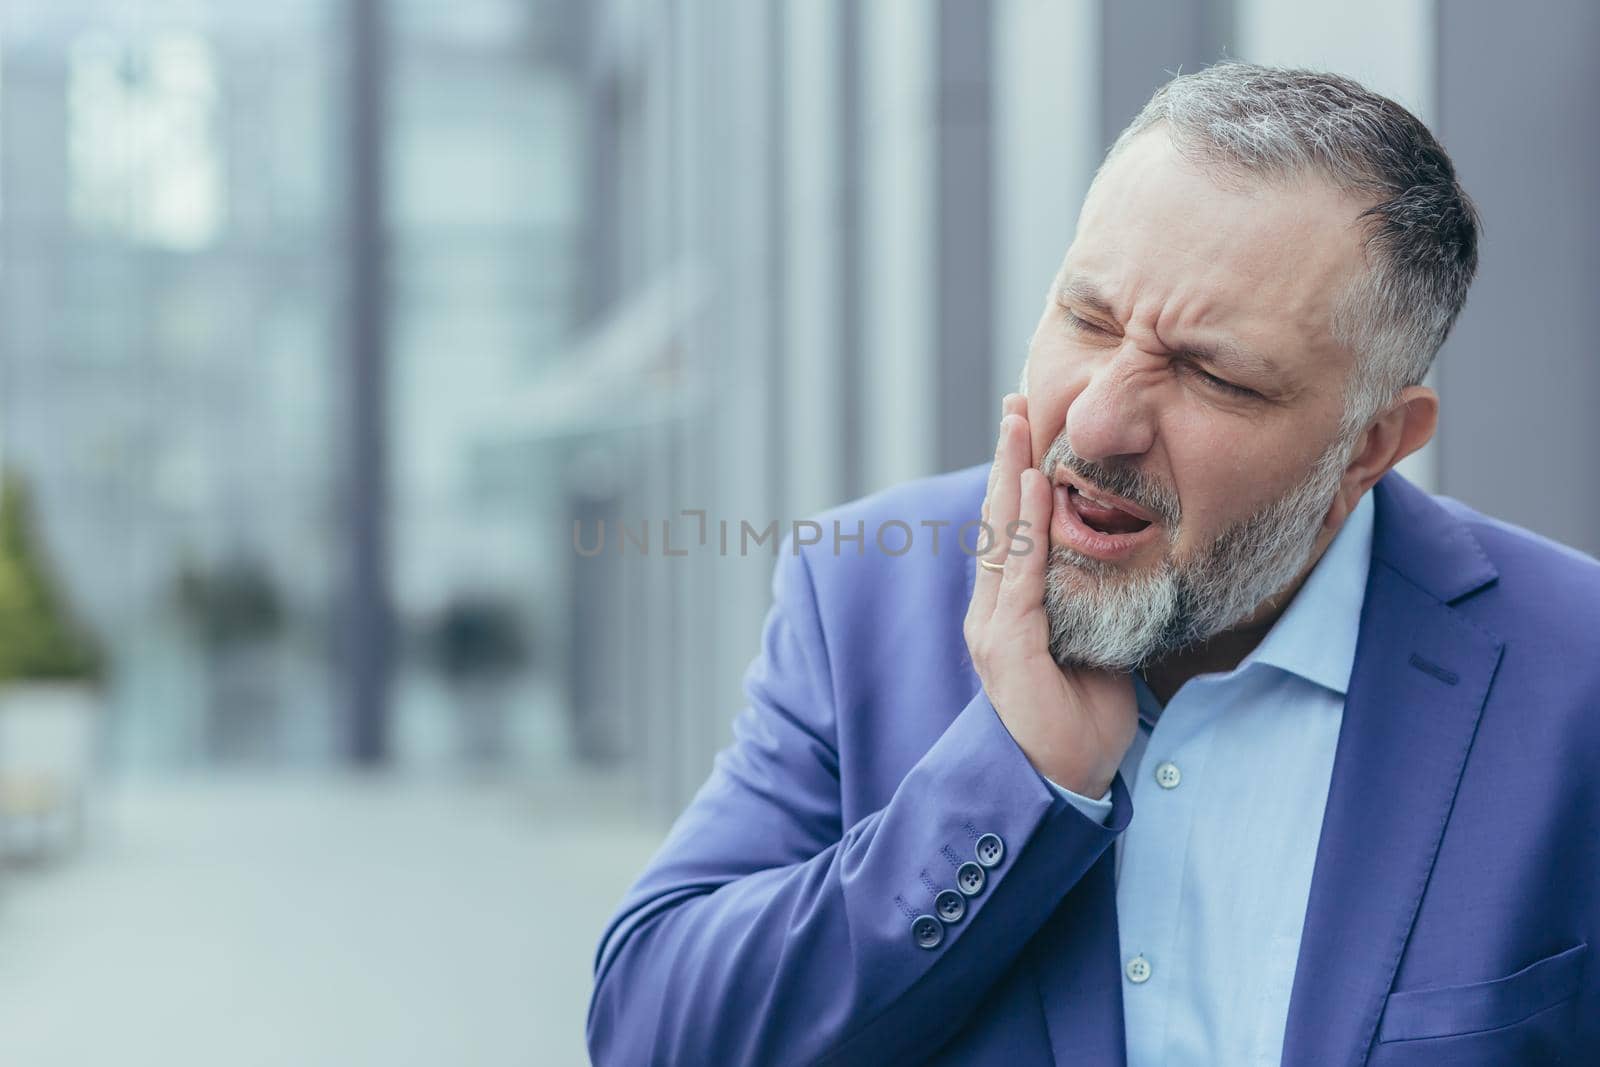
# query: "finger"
(981, 602)
(1021, 593)
(1017, 404)
(1007, 407)
(1010, 404)
(1011, 457)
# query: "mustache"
(1122, 480)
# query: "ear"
(1399, 430)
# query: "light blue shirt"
(1229, 782)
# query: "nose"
(1113, 414)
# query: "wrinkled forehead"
(1263, 262)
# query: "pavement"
(318, 919)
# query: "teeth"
(1097, 502)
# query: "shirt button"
(1138, 970)
(1167, 775)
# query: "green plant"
(39, 638)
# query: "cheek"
(1211, 466)
(1225, 478)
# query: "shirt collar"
(1315, 637)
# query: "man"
(1236, 748)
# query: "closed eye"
(1083, 325)
(1218, 383)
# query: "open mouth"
(1104, 516)
(1099, 525)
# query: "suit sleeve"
(1098, 810)
(764, 931)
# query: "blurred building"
(178, 183)
(170, 282)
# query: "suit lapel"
(1422, 672)
(1075, 959)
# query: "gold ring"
(998, 568)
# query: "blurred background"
(324, 323)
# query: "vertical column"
(661, 596)
(608, 723)
(848, 425)
(900, 397)
(816, 374)
(367, 610)
(964, 236)
(776, 418)
(1518, 379)
(691, 607)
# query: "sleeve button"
(990, 850)
(950, 905)
(927, 930)
(970, 878)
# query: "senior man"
(1241, 750)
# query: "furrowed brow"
(1221, 352)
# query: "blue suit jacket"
(1452, 916)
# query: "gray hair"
(1244, 122)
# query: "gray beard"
(1103, 618)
